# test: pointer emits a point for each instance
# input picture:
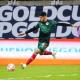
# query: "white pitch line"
(15, 78)
(8, 79)
(62, 75)
(26, 78)
(47, 76)
(75, 74)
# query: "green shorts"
(42, 45)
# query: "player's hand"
(21, 34)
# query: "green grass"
(41, 73)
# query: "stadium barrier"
(68, 55)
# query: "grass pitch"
(55, 72)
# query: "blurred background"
(39, 2)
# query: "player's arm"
(61, 23)
(30, 30)
(64, 24)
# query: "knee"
(45, 45)
(37, 51)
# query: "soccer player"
(45, 26)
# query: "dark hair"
(43, 14)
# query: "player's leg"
(31, 58)
(49, 53)
(42, 47)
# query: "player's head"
(43, 17)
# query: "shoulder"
(39, 23)
(49, 20)
(53, 21)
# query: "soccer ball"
(10, 67)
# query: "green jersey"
(45, 30)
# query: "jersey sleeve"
(37, 26)
(54, 23)
(64, 24)
(32, 29)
